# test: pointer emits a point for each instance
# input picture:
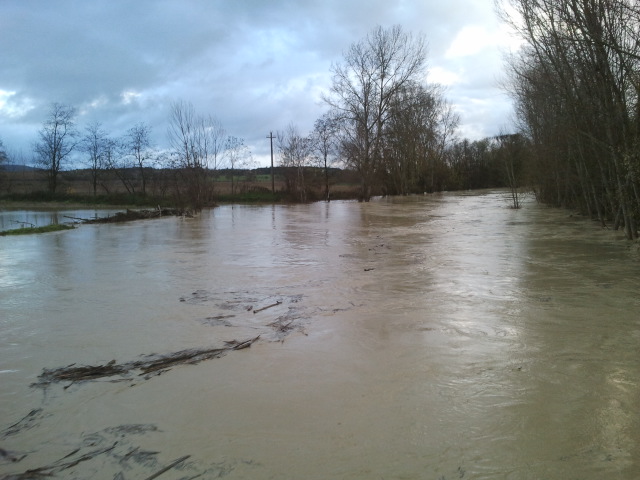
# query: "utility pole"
(273, 187)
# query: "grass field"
(75, 187)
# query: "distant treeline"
(467, 165)
(125, 186)
(248, 185)
(10, 167)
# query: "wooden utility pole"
(273, 185)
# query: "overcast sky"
(256, 65)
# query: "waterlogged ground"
(13, 218)
(437, 337)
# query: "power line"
(273, 187)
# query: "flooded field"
(16, 218)
(438, 337)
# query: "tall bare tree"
(419, 130)
(295, 152)
(118, 162)
(324, 143)
(137, 144)
(511, 152)
(364, 84)
(237, 155)
(57, 139)
(94, 143)
(198, 144)
(3, 153)
(4, 158)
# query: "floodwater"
(15, 218)
(438, 337)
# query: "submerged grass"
(30, 230)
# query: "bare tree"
(3, 153)
(137, 144)
(237, 155)
(197, 140)
(324, 143)
(295, 152)
(419, 130)
(94, 144)
(57, 139)
(197, 144)
(511, 151)
(116, 161)
(4, 158)
(373, 71)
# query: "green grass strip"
(30, 230)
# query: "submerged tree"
(577, 92)
(511, 151)
(198, 144)
(417, 135)
(295, 152)
(475, 164)
(57, 139)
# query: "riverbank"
(32, 230)
(55, 205)
(59, 201)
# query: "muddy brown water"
(436, 337)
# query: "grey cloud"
(255, 65)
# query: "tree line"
(198, 145)
(384, 121)
(576, 87)
(395, 129)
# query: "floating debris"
(115, 448)
(29, 421)
(218, 320)
(153, 364)
(7, 456)
(268, 306)
(59, 465)
(168, 467)
(130, 215)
